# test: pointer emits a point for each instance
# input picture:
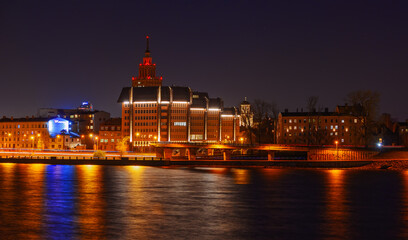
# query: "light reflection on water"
(103, 202)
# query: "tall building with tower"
(152, 112)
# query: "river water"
(39, 201)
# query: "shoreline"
(394, 164)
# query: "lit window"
(342, 120)
(180, 124)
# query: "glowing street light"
(337, 149)
(97, 142)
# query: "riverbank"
(195, 163)
(391, 160)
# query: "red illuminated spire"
(147, 52)
(147, 71)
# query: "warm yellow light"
(58, 136)
(82, 136)
(32, 137)
(137, 134)
(90, 135)
(241, 139)
(96, 138)
(334, 129)
(336, 142)
(155, 137)
(25, 135)
(38, 135)
(9, 134)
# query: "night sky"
(59, 53)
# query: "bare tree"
(311, 103)
(365, 105)
(312, 133)
(247, 125)
(265, 118)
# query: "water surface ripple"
(39, 201)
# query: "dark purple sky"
(58, 53)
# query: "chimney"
(32, 116)
(11, 118)
(326, 110)
(286, 110)
(26, 117)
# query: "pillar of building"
(271, 155)
(226, 154)
(210, 152)
(192, 153)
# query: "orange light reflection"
(336, 205)
(91, 204)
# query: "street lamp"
(337, 149)
(32, 143)
(97, 143)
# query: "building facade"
(85, 120)
(37, 133)
(152, 112)
(110, 134)
(319, 128)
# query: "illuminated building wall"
(37, 133)
(85, 120)
(110, 134)
(319, 128)
(229, 124)
(152, 112)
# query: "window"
(180, 124)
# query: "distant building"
(85, 120)
(403, 133)
(37, 133)
(152, 112)
(247, 115)
(320, 128)
(110, 134)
